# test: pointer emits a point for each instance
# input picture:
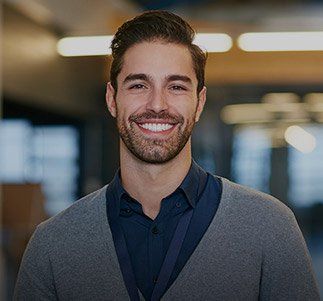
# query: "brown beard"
(155, 151)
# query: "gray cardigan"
(252, 250)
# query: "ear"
(110, 99)
(200, 104)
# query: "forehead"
(158, 59)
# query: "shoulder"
(251, 208)
(259, 218)
(245, 198)
(81, 213)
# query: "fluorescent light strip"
(281, 41)
(100, 45)
(84, 46)
(213, 42)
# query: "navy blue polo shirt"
(148, 240)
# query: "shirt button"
(178, 204)
(155, 279)
(126, 212)
(155, 230)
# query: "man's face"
(156, 105)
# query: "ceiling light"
(84, 46)
(100, 45)
(314, 98)
(300, 139)
(213, 42)
(281, 97)
(246, 113)
(281, 41)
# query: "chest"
(226, 264)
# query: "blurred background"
(262, 126)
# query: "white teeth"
(156, 127)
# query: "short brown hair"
(152, 26)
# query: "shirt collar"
(191, 185)
(116, 190)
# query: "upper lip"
(157, 121)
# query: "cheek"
(130, 104)
(187, 108)
(123, 115)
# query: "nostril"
(157, 108)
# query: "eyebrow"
(145, 77)
(179, 77)
(136, 76)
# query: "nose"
(157, 102)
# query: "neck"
(150, 183)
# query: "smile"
(157, 127)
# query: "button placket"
(155, 250)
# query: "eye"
(178, 88)
(137, 87)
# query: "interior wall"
(34, 73)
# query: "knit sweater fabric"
(252, 250)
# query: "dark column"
(279, 173)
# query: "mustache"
(163, 116)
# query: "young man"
(164, 228)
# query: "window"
(306, 171)
(41, 154)
(251, 157)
